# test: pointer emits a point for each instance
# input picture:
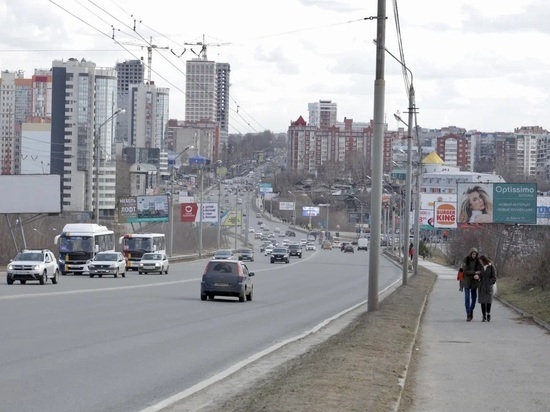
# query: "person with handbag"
(487, 279)
(472, 271)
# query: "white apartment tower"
(207, 93)
(84, 102)
(322, 114)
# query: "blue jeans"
(470, 303)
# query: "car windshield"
(244, 251)
(151, 256)
(30, 256)
(223, 253)
(106, 257)
(279, 250)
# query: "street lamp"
(172, 198)
(294, 212)
(327, 205)
(97, 160)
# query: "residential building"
(84, 102)
(516, 156)
(129, 72)
(207, 95)
(456, 150)
(322, 114)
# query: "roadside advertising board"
(209, 213)
(310, 211)
(188, 212)
(508, 203)
(286, 205)
(444, 215)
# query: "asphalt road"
(106, 344)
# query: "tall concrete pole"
(408, 188)
(377, 157)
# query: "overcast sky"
(480, 65)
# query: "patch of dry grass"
(532, 300)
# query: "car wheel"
(100, 276)
(116, 274)
(63, 273)
(55, 278)
(44, 278)
(91, 276)
(272, 260)
(124, 273)
(22, 282)
(10, 280)
(166, 271)
(203, 296)
(249, 296)
(211, 296)
(242, 296)
(139, 273)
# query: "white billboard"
(286, 205)
(209, 212)
(30, 194)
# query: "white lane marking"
(81, 291)
(159, 406)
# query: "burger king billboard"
(444, 215)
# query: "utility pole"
(219, 212)
(377, 156)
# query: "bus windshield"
(76, 244)
(136, 243)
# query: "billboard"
(30, 194)
(543, 210)
(188, 212)
(233, 218)
(266, 188)
(509, 203)
(209, 213)
(310, 210)
(151, 209)
(444, 215)
(286, 205)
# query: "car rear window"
(279, 250)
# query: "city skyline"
(470, 64)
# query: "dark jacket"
(488, 279)
(471, 266)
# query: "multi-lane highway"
(124, 344)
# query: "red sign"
(189, 212)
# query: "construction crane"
(150, 46)
(204, 45)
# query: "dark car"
(280, 254)
(290, 233)
(295, 250)
(223, 277)
(245, 254)
(349, 248)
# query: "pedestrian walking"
(487, 279)
(411, 250)
(472, 271)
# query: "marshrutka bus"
(79, 242)
(136, 244)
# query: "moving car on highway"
(154, 263)
(39, 265)
(224, 277)
(295, 250)
(245, 254)
(107, 263)
(280, 254)
(223, 254)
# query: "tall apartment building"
(207, 93)
(322, 114)
(84, 100)
(129, 72)
(9, 137)
(223, 71)
(516, 156)
(456, 150)
(343, 147)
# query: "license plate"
(221, 284)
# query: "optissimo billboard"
(509, 203)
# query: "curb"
(535, 319)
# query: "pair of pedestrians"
(479, 274)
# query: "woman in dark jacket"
(472, 270)
(487, 279)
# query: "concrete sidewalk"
(503, 365)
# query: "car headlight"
(10, 267)
(140, 264)
(157, 265)
(36, 267)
